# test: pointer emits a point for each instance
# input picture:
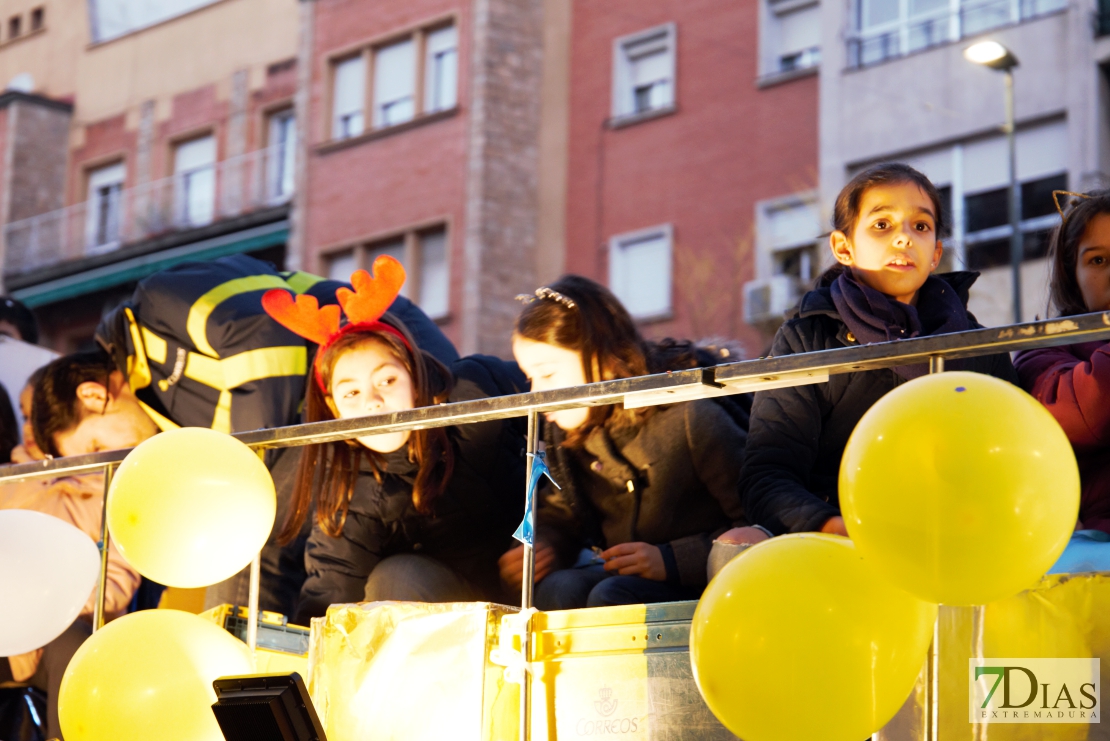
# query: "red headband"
(363, 306)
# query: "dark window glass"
(986, 210)
(988, 254)
(37, 18)
(1036, 195)
(945, 194)
(1036, 244)
(15, 26)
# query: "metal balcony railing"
(113, 216)
(907, 35)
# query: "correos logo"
(606, 706)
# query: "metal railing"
(664, 388)
(113, 216)
(905, 36)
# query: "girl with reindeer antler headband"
(416, 515)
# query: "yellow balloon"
(799, 639)
(191, 507)
(959, 487)
(148, 675)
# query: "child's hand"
(511, 564)
(636, 559)
(835, 526)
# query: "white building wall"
(937, 111)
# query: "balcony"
(897, 37)
(113, 217)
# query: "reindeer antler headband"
(363, 306)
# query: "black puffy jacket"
(474, 518)
(797, 435)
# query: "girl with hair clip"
(647, 488)
(416, 515)
(1073, 381)
(886, 242)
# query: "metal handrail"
(664, 388)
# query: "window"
(102, 207)
(15, 26)
(394, 97)
(394, 83)
(341, 265)
(38, 15)
(640, 271)
(890, 28)
(423, 252)
(194, 167)
(281, 154)
(644, 72)
(441, 70)
(787, 232)
(791, 37)
(988, 221)
(348, 97)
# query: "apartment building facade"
(136, 136)
(896, 86)
(666, 149)
(692, 139)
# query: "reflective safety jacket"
(198, 350)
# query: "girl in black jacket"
(647, 488)
(886, 240)
(414, 515)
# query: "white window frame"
(338, 125)
(281, 156)
(431, 55)
(767, 250)
(770, 37)
(113, 176)
(619, 241)
(380, 106)
(623, 104)
(410, 240)
(190, 210)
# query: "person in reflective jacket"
(419, 515)
(194, 347)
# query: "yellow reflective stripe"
(252, 365)
(301, 282)
(221, 422)
(164, 424)
(138, 371)
(202, 308)
(155, 346)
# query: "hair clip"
(544, 292)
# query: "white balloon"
(48, 569)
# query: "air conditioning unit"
(767, 299)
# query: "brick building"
(667, 149)
(692, 149)
(635, 143)
(127, 149)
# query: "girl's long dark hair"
(330, 470)
(601, 330)
(1063, 286)
(846, 210)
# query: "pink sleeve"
(1074, 390)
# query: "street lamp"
(996, 56)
